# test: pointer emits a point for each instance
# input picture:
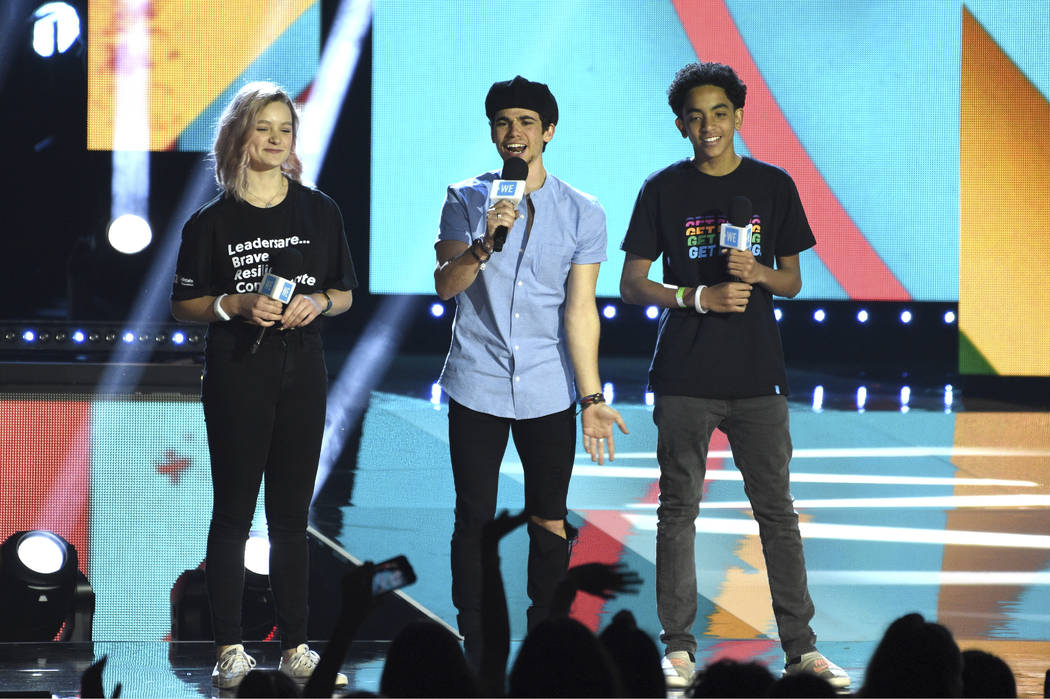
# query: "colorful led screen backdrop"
(160, 73)
(859, 101)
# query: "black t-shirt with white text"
(678, 215)
(227, 245)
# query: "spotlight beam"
(335, 71)
(14, 25)
(349, 394)
(152, 305)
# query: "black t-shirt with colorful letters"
(678, 215)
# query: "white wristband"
(696, 300)
(217, 307)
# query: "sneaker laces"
(304, 661)
(236, 661)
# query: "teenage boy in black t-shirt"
(718, 360)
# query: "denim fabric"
(758, 434)
(477, 442)
(265, 415)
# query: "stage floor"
(913, 503)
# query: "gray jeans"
(758, 434)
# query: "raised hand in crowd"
(91, 681)
(605, 580)
(495, 622)
(357, 603)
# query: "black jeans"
(265, 415)
(477, 442)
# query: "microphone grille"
(286, 262)
(515, 169)
(740, 209)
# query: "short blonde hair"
(235, 126)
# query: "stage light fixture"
(435, 394)
(949, 317)
(778, 314)
(43, 594)
(905, 398)
(818, 399)
(128, 337)
(178, 337)
(819, 315)
(609, 392)
(949, 397)
(129, 234)
(56, 25)
(609, 311)
(78, 336)
(862, 316)
(906, 316)
(650, 398)
(437, 310)
(190, 613)
(862, 398)
(29, 336)
(257, 554)
(652, 312)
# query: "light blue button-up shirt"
(509, 355)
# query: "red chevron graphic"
(840, 245)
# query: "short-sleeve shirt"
(227, 244)
(678, 214)
(509, 355)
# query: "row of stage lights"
(648, 399)
(89, 338)
(45, 597)
(819, 315)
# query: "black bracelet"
(592, 399)
(329, 306)
(473, 252)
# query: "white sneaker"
(815, 663)
(678, 669)
(302, 664)
(231, 668)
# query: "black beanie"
(522, 94)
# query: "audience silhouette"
(267, 683)
(426, 660)
(986, 675)
(731, 678)
(636, 655)
(916, 658)
(562, 657)
(803, 684)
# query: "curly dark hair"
(697, 74)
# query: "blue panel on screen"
(150, 506)
(870, 90)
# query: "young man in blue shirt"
(524, 348)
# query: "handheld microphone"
(285, 265)
(736, 234)
(510, 187)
